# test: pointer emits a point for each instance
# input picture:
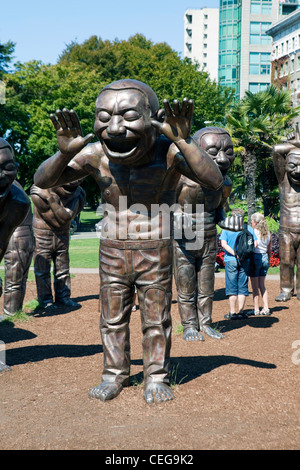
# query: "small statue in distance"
(14, 203)
(54, 210)
(286, 159)
(195, 267)
(17, 260)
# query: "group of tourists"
(238, 271)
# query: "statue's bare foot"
(212, 333)
(283, 297)
(158, 392)
(191, 334)
(106, 391)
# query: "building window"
(258, 33)
(256, 87)
(189, 18)
(261, 7)
(189, 32)
(188, 46)
(259, 63)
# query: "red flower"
(220, 259)
(274, 260)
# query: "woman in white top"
(262, 254)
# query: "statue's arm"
(279, 154)
(56, 170)
(189, 159)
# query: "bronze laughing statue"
(17, 260)
(137, 171)
(286, 159)
(54, 210)
(14, 203)
(195, 267)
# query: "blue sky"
(42, 29)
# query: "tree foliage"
(256, 124)
(6, 56)
(34, 90)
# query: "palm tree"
(256, 124)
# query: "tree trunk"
(250, 176)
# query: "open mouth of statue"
(121, 147)
(295, 178)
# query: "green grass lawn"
(84, 253)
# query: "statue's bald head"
(5, 145)
(8, 168)
(130, 84)
(208, 130)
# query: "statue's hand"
(177, 121)
(233, 223)
(293, 138)
(69, 132)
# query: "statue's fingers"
(176, 107)
(67, 118)
(54, 121)
(75, 120)
(88, 138)
(61, 118)
(156, 124)
(190, 110)
(168, 109)
(184, 106)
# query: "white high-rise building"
(285, 58)
(232, 44)
(201, 38)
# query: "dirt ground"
(241, 392)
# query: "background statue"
(17, 260)
(286, 158)
(54, 210)
(137, 170)
(195, 268)
(14, 202)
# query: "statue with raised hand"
(194, 264)
(54, 210)
(286, 159)
(137, 161)
(17, 260)
(14, 203)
